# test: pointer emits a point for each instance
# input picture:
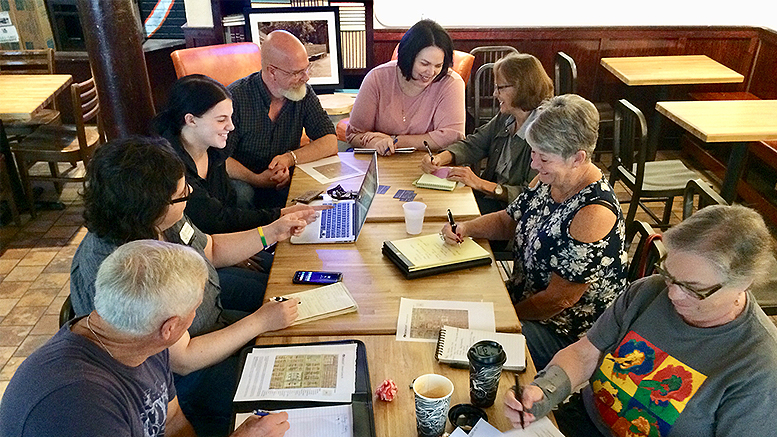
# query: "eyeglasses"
(499, 88)
(295, 74)
(183, 198)
(698, 293)
(340, 193)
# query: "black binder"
(361, 400)
(390, 252)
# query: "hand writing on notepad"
(518, 412)
(453, 237)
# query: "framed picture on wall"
(319, 30)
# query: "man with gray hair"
(109, 372)
(271, 107)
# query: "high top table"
(665, 71)
(398, 172)
(23, 95)
(730, 122)
(377, 285)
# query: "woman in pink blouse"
(412, 100)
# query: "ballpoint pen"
(452, 223)
(431, 155)
(261, 413)
(281, 299)
(518, 395)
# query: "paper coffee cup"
(432, 399)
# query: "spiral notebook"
(453, 344)
(431, 181)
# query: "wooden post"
(115, 46)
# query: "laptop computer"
(343, 223)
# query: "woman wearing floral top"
(567, 228)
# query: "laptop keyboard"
(336, 222)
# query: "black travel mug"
(486, 358)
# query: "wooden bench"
(766, 151)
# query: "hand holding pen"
(429, 150)
(264, 423)
(519, 403)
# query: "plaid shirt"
(256, 139)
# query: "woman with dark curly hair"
(135, 189)
(412, 100)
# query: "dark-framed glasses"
(698, 293)
(185, 197)
(295, 74)
(340, 193)
(499, 88)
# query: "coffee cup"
(432, 399)
(486, 358)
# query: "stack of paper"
(322, 302)
(433, 182)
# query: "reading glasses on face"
(295, 74)
(499, 88)
(698, 293)
(183, 198)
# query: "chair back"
(462, 63)
(707, 196)
(27, 61)
(225, 63)
(649, 250)
(485, 104)
(86, 107)
(484, 55)
(565, 78)
(629, 141)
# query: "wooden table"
(377, 284)
(402, 362)
(398, 171)
(735, 122)
(23, 95)
(665, 71)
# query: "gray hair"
(734, 238)
(564, 125)
(145, 282)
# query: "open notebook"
(433, 182)
(453, 344)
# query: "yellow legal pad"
(428, 254)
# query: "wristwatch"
(498, 190)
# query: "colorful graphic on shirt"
(640, 390)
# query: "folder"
(361, 399)
(427, 255)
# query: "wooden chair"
(29, 62)
(6, 193)
(225, 63)
(648, 181)
(565, 82)
(649, 250)
(55, 144)
(707, 196)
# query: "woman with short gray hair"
(685, 352)
(568, 231)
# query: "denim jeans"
(243, 289)
(206, 396)
(543, 342)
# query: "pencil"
(518, 395)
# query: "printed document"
(324, 373)
(335, 421)
(329, 170)
(541, 428)
(421, 320)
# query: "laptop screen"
(366, 193)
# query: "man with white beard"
(271, 107)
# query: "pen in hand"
(518, 395)
(281, 299)
(431, 155)
(261, 413)
(453, 226)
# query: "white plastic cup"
(432, 400)
(414, 217)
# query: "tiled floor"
(34, 275)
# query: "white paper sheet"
(299, 373)
(334, 421)
(329, 170)
(541, 428)
(421, 320)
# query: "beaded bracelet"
(261, 234)
(293, 156)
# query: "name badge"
(187, 232)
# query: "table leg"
(734, 169)
(13, 173)
(654, 129)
